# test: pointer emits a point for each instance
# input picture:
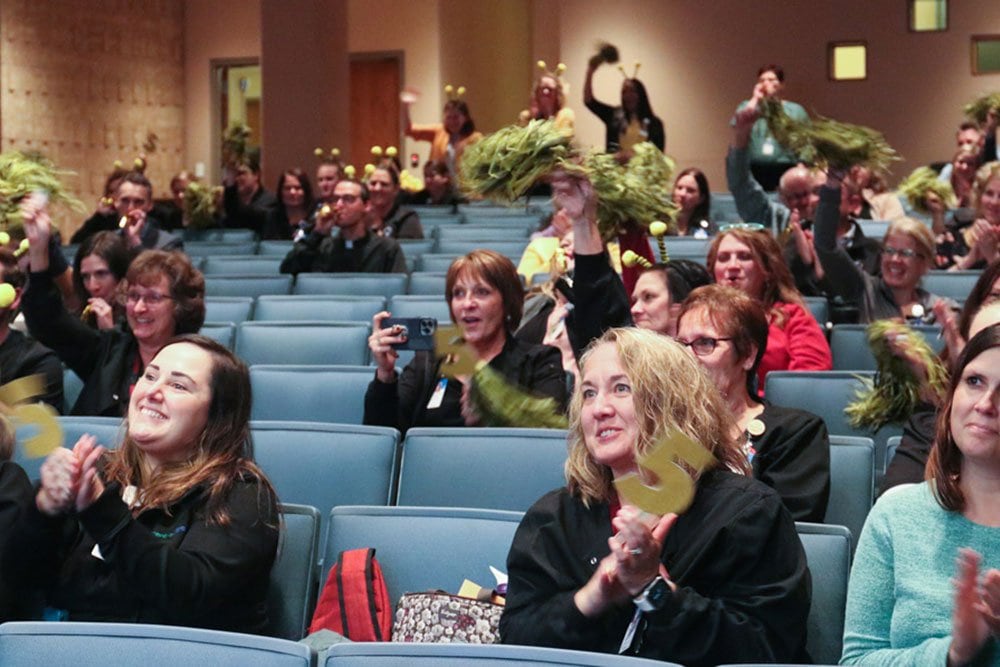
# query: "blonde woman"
(725, 581)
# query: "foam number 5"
(41, 415)
(675, 488)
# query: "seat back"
(314, 343)
(228, 308)
(828, 553)
(331, 394)
(234, 265)
(325, 465)
(424, 548)
(252, 285)
(218, 235)
(484, 232)
(852, 482)
(107, 430)
(421, 305)
(210, 248)
(435, 262)
(422, 282)
(292, 590)
(136, 645)
(398, 654)
(849, 345)
(356, 284)
(72, 386)
(826, 394)
(223, 333)
(510, 249)
(495, 468)
(819, 307)
(275, 247)
(952, 284)
(317, 308)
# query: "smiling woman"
(164, 295)
(486, 301)
(724, 582)
(179, 527)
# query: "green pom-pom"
(979, 109)
(499, 403)
(922, 181)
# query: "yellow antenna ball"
(621, 69)
(325, 211)
(138, 163)
(117, 164)
(460, 91)
(4, 238)
(657, 228)
(22, 248)
(630, 258)
(560, 68)
(335, 152)
(449, 89)
(349, 171)
(391, 151)
(369, 168)
(318, 152)
(7, 295)
(541, 64)
(376, 151)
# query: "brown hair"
(738, 317)
(944, 465)
(499, 272)
(670, 391)
(187, 285)
(779, 286)
(223, 454)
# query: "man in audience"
(133, 202)
(354, 249)
(21, 356)
(245, 202)
(971, 137)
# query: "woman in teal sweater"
(905, 577)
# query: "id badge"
(438, 394)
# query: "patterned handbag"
(440, 618)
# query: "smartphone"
(419, 332)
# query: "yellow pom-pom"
(335, 152)
(22, 248)
(117, 164)
(325, 211)
(4, 238)
(622, 70)
(391, 151)
(560, 68)
(318, 152)
(139, 163)
(657, 228)
(369, 169)
(350, 171)
(637, 66)
(449, 89)
(541, 64)
(460, 91)
(7, 295)
(377, 151)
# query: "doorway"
(376, 79)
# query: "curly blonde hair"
(670, 391)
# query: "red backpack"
(355, 601)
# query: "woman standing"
(450, 137)
(177, 526)
(629, 124)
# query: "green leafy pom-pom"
(499, 403)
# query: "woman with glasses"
(164, 296)
(908, 252)
(746, 257)
(788, 449)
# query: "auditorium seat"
(209, 248)
(235, 265)
(422, 282)
(318, 308)
(952, 284)
(252, 285)
(310, 393)
(849, 345)
(319, 343)
(828, 554)
(357, 284)
(292, 591)
(399, 654)
(221, 332)
(852, 482)
(228, 308)
(106, 429)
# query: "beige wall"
(700, 59)
(213, 30)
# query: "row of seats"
(409, 542)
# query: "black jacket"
(20, 356)
(403, 404)
(104, 360)
(174, 569)
(743, 588)
(15, 495)
(326, 253)
(252, 216)
(614, 122)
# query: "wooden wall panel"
(85, 82)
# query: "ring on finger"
(637, 551)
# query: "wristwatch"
(654, 596)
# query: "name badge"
(438, 394)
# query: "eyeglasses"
(749, 226)
(347, 199)
(905, 253)
(702, 346)
(132, 297)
